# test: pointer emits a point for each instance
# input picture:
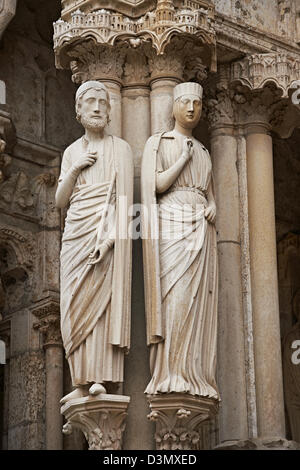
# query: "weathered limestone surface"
(141, 86)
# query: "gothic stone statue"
(180, 254)
(97, 182)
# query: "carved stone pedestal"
(178, 418)
(101, 419)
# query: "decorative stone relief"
(19, 193)
(48, 313)
(178, 419)
(257, 70)
(193, 19)
(91, 61)
(134, 8)
(18, 268)
(102, 420)
(136, 69)
(26, 416)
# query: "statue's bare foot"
(79, 392)
(96, 389)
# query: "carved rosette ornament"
(178, 419)
(101, 419)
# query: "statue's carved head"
(187, 107)
(92, 105)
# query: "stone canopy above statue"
(131, 8)
(136, 23)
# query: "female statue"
(180, 254)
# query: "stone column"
(166, 73)
(136, 131)
(49, 325)
(136, 104)
(233, 423)
(267, 347)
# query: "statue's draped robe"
(180, 267)
(95, 299)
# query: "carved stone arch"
(15, 272)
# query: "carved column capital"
(219, 104)
(91, 61)
(136, 69)
(178, 419)
(157, 27)
(101, 419)
(48, 314)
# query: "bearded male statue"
(180, 254)
(96, 181)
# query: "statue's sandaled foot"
(96, 389)
(79, 392)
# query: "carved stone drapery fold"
(101, 419)
(178, 419)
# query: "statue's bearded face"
(94, 109)
(187, 110)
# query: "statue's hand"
(98, 254)
(85, 160)
(187, 149)
(210, 212)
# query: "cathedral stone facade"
(246, 56)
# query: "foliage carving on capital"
(102, 420)
(91, 61)
(48, 314)
(136, 68)
(192, 19)
(178, 419)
